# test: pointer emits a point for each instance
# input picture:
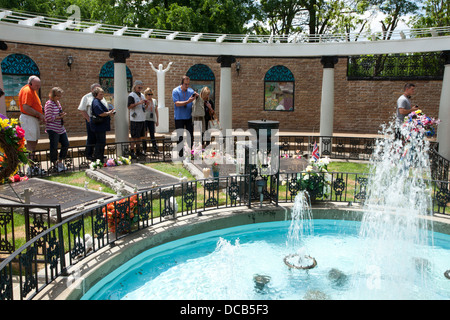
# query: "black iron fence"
(340, 148)
(76, 158)
(417, 66)
(48, 253)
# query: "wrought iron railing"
(49, 254)
(424, 66)
(76, 157)
(333, 147)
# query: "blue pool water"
(223, 265)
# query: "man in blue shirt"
(182, 97)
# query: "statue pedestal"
(163, 120)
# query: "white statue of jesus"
(160, 75)
(163, 112)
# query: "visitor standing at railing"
(209, 109)
(86, 112)
(183, 97)
(404, 102)
(404, 106)
(31, 117)
(137, 105)
(54, 126)
(151, 118)
(100, 122)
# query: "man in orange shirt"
(32, 115)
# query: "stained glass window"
(279, 87)
(106, 78)
(200, 76)
(16, 69)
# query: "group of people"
(94, 109)
(184, 98)
(143, 117)
(32, 115)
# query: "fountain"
(396, 208)
(389, 255)
(301, 226)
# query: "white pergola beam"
(120, 31)
(92, 29)
(147, 33)
(5, 13)
(89, 39)
(221, 38)
(31, 22)
(172, 35)
(63, 25)
(196, 37)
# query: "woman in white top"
(151, 118)
(137, 106)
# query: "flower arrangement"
(121, 213)
(296, 155)
(420, 122)
(316, 179)
(12, 148)
(121, 161)
(17, 178)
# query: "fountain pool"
(392, 253)
(246, 262)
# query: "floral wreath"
(420, 122)
(12, 148)
(121, 161)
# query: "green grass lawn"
(349, 167)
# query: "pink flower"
(110, 163)
(20, 133)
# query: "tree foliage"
(436, 14)
(278, 17)
(222, 16)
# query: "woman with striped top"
(54, 126)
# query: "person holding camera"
(183, 96)
(137, 106)
(404, 102)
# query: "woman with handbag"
(100, 122)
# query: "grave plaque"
(224, 169)
(292, 165)
(51, 193)
(140, 176)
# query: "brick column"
(225, 105)
(120, 95)
(443, 131)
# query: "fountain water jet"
(300, 227)
(396, 207)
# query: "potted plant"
(316, 179)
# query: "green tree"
(436, 13)
(222, 16)
(394, 10)
(311, 16)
